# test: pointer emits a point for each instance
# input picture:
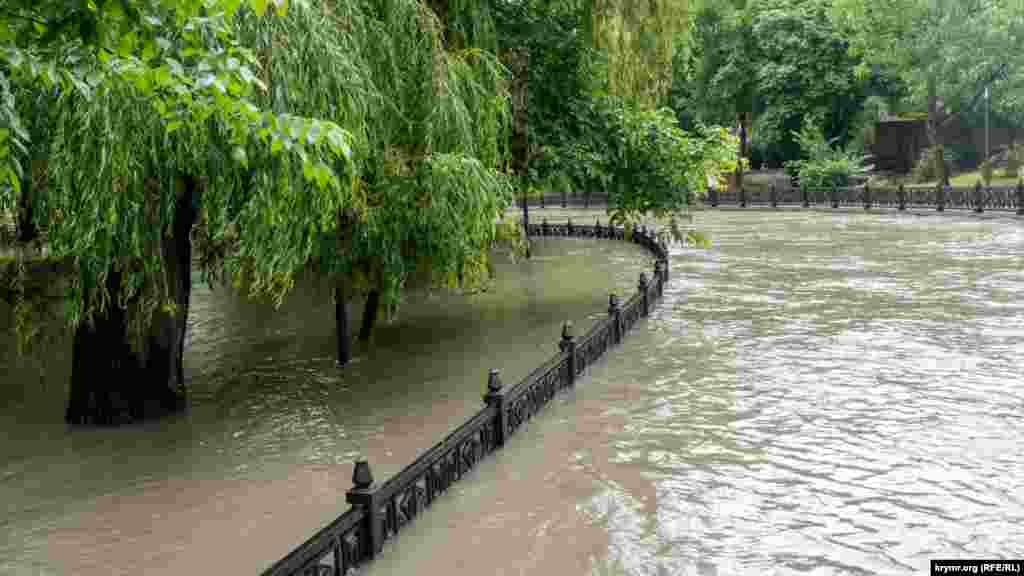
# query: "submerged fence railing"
(976, 198)
(380, 510)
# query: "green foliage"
(927, 167)
(824, 163)
(987, 170)
(1014, 161)
(942, 50)
(778, 60)
(273, 112)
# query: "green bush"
(987, 171)
(824, 165)
(927, 166)
(1014, 162)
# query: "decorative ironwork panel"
(538, 392)
(631, 313)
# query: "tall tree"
(947, 51)
(229, 118)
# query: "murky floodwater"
(818, 393)
(263, 457)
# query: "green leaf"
(338, 141)
(173, 125)
(258, 6)
(239, 155)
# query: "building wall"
(898, 143)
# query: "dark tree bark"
(343, 333)
(25, 222)
(369, 315)
(110, 383)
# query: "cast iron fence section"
(977, 198)
(380, 511)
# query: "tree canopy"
(948, 52)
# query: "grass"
(962, 180)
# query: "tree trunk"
(342, 331)
(24, 221)
(112, 384)
(369, 315)
(935, 134)
(742, 117)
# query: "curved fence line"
(976, 198)
(380, 510)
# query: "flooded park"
(826, 393)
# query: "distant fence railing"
(939, 198)
(976, 198)
(380, 510)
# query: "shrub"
(927, 166)
(1014, 161)
(824, 165)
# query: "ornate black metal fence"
(380, 510)
(939, 198)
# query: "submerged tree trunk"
(112, 384)
(369, 315)
(343, 333)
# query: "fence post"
(775, 198)
(867, 196)
(659, 273)
(807, 198)
(568, 227)
(364, 495)
(598, 232)
(977, 197)
(1020, 197)
(565, 198)
(643, 293)
(568, 345)
(615, 313)
(542, 199)
(714, 197)
(743, 197)
(586, 200)
(835, 196)
(940, 197)
(496, 396)
(664, 260)
(902, 196)
(545, 228)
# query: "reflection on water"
(826, 394)
(263, 457)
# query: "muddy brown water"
(818, 393)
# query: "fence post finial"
(364, 495)
(643, 292)
(568, 346)
(496, 396)
(615, 313)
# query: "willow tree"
(343, 136)
(428, 111)
(639, 38)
